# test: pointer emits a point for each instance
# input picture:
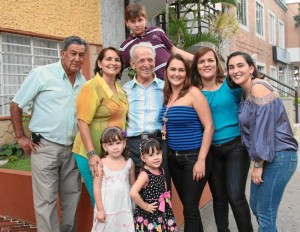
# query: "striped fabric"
(162, 44)
(145, 104)
(184, 129)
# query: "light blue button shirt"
(54, 102)
(145, 104)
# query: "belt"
(155, 135)
(36, 138)
(237, 139)
(186, 152)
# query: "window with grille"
(242, 10)
(18, 55)
(259, 11)
(272, 29)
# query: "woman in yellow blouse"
(101, 103)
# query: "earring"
(252, 77)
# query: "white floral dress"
(116, 201)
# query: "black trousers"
(227, 183)
(189, 191)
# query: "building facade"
(268, 33)
(31, 34)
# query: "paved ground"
(9, 224)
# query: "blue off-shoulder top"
(265, 127)
(184, 129)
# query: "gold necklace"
(165, 117)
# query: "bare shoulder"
(142, 179)
(132, 164)
(259, 90)
(196, 94)
(194, 91)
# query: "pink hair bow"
(165, 197)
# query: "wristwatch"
(258, 164)
(91, 153)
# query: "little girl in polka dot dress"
(154, 209)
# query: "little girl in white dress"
(113, 209)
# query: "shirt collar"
(63, 74)
(135, 82)
(106, 88)
(133, 36)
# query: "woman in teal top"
(230, 159)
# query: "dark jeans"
(227, 183)
(189, 191)
(134, 146)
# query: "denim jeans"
(189, 191)
(265, 198)
(227, 183)
(133, 145)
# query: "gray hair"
(74, 40)
(141, 45)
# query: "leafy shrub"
(12, 152)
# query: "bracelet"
(258, 165)
(91, 153)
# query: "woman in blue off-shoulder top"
(230, 158)
(268, 137)
(188, 128)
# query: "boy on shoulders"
(136, 20)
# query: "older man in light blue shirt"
(145, 100)
(53, 89)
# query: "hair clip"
(124, 134)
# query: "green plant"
(131, 72)
(12, 152)
(21, 165)
(223, 25)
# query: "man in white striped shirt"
(145, 98)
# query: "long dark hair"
(149, 146)
(196, 78)
(113, 134)
(187, 84)
(249, 61)
(100, 57)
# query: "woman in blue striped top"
(188, 128)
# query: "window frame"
(281, 34)
(14, 62)
(261, 22)
(273, 25)
(245, 15)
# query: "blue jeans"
(189, 191)
(84, 168)
(265, 198)
(227, 183)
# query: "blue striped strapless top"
(184, 129)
